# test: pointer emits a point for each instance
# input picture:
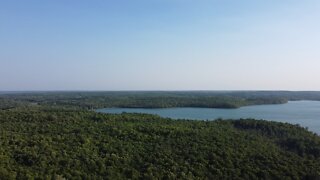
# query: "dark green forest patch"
(76, 144)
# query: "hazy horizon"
(160, 45)
(49, 91)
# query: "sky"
(159, 45)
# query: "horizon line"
(141, 90)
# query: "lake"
(305, 113)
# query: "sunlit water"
(305, 113)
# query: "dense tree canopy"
(75, 144)
(53, 135)
(90, 100)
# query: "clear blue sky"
(160, 45)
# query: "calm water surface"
(305, 113)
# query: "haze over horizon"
(159, 45)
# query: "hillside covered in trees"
(50, 143)
(55, 135)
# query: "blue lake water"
(305, 113)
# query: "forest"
(44, 138)
(153, 99)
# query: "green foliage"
(73, 144)
(93, 100)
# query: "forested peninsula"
(152, 99)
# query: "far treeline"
(152, 99)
